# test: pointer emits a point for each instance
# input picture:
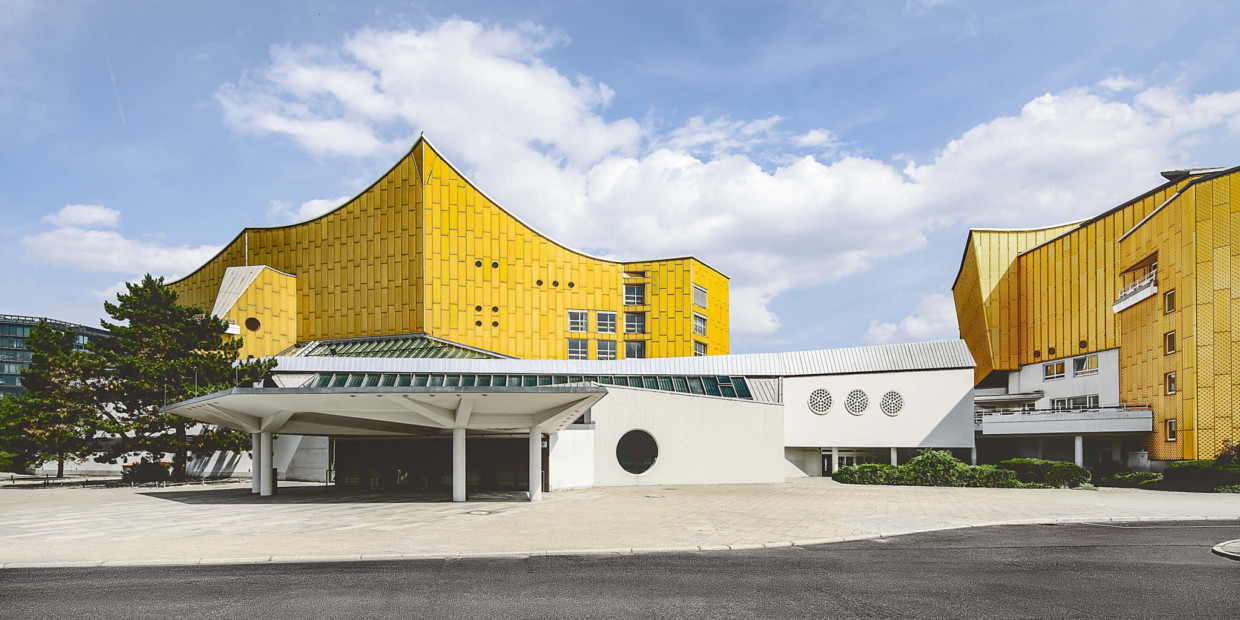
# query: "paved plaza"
(225, 523)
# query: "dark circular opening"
(477, 263)
(555, 283)
(1037, 353)
(1084, 344)
(494, 308)
(494, 265)
(494, 323)
(252, 324)
(477, 308)
(478, 323)
(637, 451)
(539, 282)
(1051, 350)
(571, 285)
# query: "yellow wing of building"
(424, 251)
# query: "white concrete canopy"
(391, 411)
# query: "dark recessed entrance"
(424, 464)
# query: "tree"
(161, 353)
(56, 419)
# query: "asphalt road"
(1067, 571)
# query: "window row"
(605, 322)
(1081, 366)
(728, 387)
(1075, 402)
(15, 330)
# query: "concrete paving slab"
(226, 523)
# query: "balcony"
(1122, 418)
(1143, 288)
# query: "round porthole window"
(856, 402)
(892, 403)
(252, 324)
(637, 451)
(820, 402)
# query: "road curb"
(1229, 549)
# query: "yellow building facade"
(424, 251)
(1151, 279)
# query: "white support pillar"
(894, 459)
(256, 463)
(1117, 450)
(835, 460)
(266, 462)
(458, 464)
(1080, 450)
(973, 455)
(535, 464)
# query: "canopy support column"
(535, 464)
(266, 465)
(458, 464)
(256, 463)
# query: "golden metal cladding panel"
(266, 314)
(424, 251)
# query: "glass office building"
(14, 356)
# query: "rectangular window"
(1087, 365)
(1169, 382)
(578, 349)
(635, 349)
(1169, 342)
(699, 348)
(1052, 370)
(634, 294)
(578, 321)
(605, 322)
(1169, 301)
(634, 322)
(699, 324)
(607, 349)
(1171, 430)
(699, 296)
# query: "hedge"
(1052, 473)
(930, 468)
(1197, 476)
(1128, 480)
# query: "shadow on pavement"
(323, 495)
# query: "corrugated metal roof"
(885, 358)
(410, 346)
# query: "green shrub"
(1199, 475)
(1230, 488)
(1230, 454)
(1052, 473)
(146, 471)
(988, 476)
(868, 473)
(1128, 480)
(934, 468)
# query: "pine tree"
(162, 353)
(56, 419)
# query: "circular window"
(494, 323)
(477, 308)
(571, 285)
(637, 451)
(892, 403)
(494, 308)
(820, 402)
(478, 323)
(252, 324)
(856, 402)
(494, 265)
(555, 283)
(477, 263)
(539, 283)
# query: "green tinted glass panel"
(560, 380)
(591, 379)
(452, 380)
(605, 380)
(727, 390)
(436, 380)
(515, 380)
(529, 381)
(742, 387)
(404, 380)
(712, 386)
(665, 384)
(356, 380)
(388, 381)
(324, 381)
(339, 380)
(650, 383)
(467, 381)
(680, 384)
(484, 380)
(500, 381)
(695, 385)
(574, 379)
(372, 380)
(544, 380)
(420, 380)
(724, 380)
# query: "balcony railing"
(1143, 287)
(1096, 410)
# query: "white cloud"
(77, 241)
(87, 216)
(743, 195)
(1119, 83)
(281, 211)
(934, 319)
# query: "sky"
(830, 157)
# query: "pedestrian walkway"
(216, 523)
